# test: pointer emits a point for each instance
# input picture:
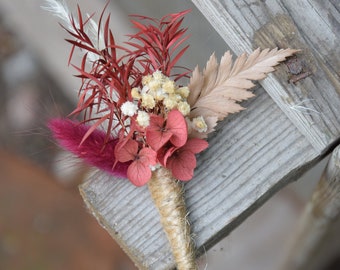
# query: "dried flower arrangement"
(138, 122)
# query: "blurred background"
(43, 221)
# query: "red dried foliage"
(159, 42)
(107, 84)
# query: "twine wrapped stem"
(167, 193)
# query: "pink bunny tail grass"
(94, 151)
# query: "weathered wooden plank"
(313, 106)
(251, 156)
(246, 24)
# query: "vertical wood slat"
(320, 213)
(239, 22)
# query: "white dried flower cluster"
(129, 108)
(143, 118)
(159, 90)
(199, 124)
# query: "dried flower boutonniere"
(138, 122)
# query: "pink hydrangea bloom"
(139, 171)
(181, 160)
(160, 131)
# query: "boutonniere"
(143, 118)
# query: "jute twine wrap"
(167, 193)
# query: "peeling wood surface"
(285, 129)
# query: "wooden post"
(321, 212)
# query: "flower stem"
(167, 193)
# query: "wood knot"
(297, 68)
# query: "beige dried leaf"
(216, 91)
